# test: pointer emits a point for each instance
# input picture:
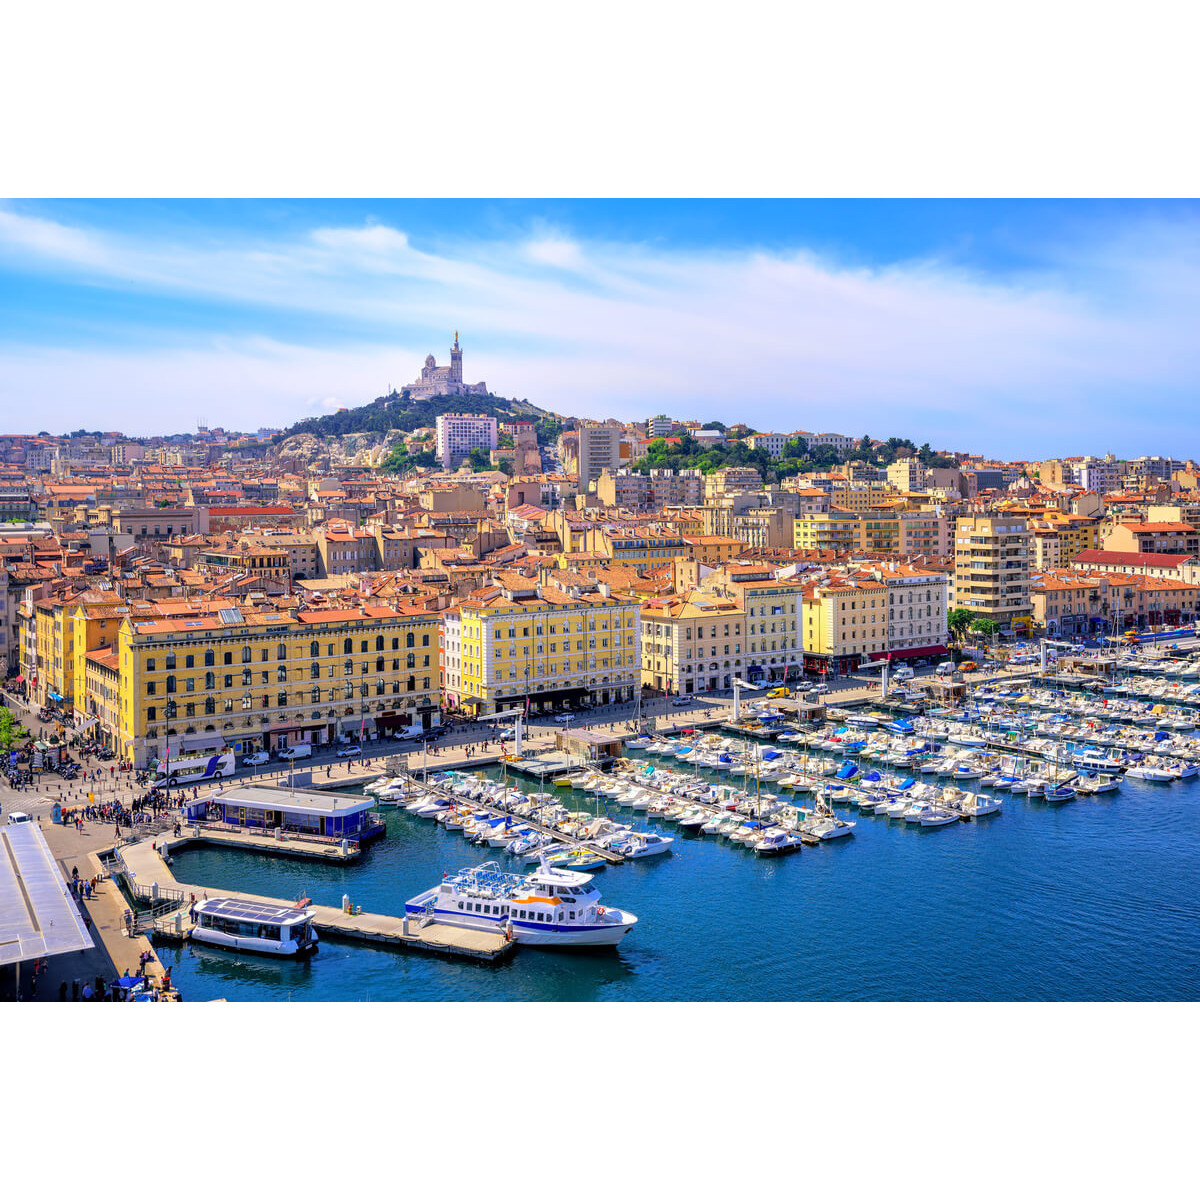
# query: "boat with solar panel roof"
(550, 906)
(256, 926)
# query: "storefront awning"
(54, 696)
(910, 652)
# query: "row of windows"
(171, 709)
(281, 652)
(281, 674)
(655, 630)
(521, 914)
(525, 629)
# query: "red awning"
(20, 678)
(911, 652)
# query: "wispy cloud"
(1073, 356)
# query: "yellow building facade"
(538, 643)
(246, 679)
(844, 623)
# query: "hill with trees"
(399, 410)
(797, 457)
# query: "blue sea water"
(1096, 899)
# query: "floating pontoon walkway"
(145, 867)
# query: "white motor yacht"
(639, 845)
(977, 805)
(826, 828)
(550, 907)
(1150, 774)
(939, 816)
(776, 841)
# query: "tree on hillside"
(401, 460)
(958, 620)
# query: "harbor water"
(1095, 899)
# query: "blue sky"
(1020, 328)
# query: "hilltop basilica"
(445, 381)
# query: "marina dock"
(265, 842)
(150, 875)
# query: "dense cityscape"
(115, 546)
(202, 622)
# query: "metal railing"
(293, 833)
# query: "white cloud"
(1038, 364)
(555, 252)
(34, 237)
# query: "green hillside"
(401, 411)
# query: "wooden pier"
(265, 842)
(146, 867)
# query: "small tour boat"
(254, 926)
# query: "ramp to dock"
(145, 868)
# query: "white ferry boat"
(548, 907)
(253, 925)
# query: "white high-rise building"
(460, 433)
(599, 447)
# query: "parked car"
(818, 689)
(257, 759)
(563, 718)
(349, 751)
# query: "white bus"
(193, 770)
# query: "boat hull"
(254, 945)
